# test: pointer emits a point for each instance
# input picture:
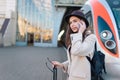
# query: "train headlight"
(106, 34)
(110, 44)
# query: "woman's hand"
(82, 26)
(57, 64)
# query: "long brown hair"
(68, 40)
(69, 31)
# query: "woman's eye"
(74, 20)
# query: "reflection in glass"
(35, 17)
(20, 38)
(47, 36)
(37, 37)
(21, 30)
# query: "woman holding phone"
(80, 43)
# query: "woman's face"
(74, 23)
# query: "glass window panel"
(35, 17)
(47, 36)
(37, 37)
(20, 38)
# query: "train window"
(116, 13)
(115, 6)
(113, 3)
(89, 18)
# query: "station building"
(35, 22)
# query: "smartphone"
(78, 26)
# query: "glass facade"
(35, 22)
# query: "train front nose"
(107, 36)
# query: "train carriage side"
(104, 18)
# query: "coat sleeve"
(65, 69)
(82, 48)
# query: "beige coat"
(77, 66)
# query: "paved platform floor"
(28, 63)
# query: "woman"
(80, 43)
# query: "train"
(104, 19)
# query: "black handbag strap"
(95, 47)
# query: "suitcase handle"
(54, 70)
